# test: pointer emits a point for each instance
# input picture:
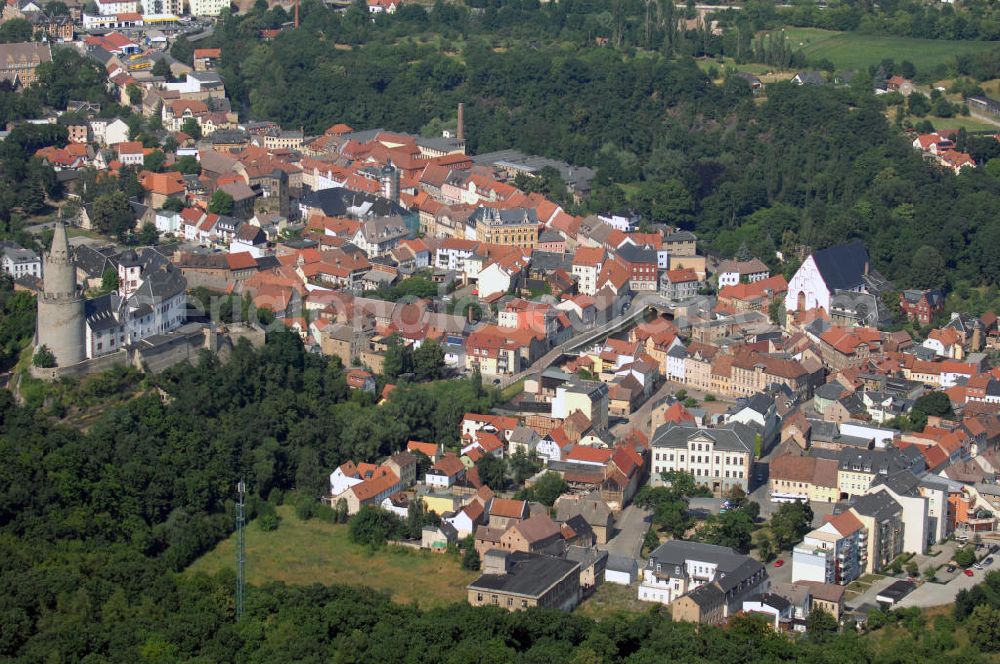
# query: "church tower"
(60, 305)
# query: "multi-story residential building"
(19, 61)
(641, 263)
(842, 348)
(698, 365)
(751, 373)
(207, 7)
(587, 396)
(114, 7)
(18, 262)
(380, 235)
(680, 243)
(680, 284)
(755, 296)
(798, 477)
(499, 350)
(516, 227)
(587, 265)
(836, 552)
(924, 502)
(704, 583)
(735, 272)
(452, 253)
(78, 132)
(858, 469)
(719, 458)
(922, 305)
(882, 518)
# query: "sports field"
(853, 50)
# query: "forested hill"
(93, 526)
(808, 166)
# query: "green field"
(611, 599)
(853, 50)
(970, 124)
(306, 552)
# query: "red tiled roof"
(242, 260)
(379, 484)
(511, 509)
(450, 465)
(585, 454)
(428, 449)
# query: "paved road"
(869, 596)
(590, 336)
(936, 594)
(640, 418)
(631, 526)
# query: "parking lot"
(937, 594)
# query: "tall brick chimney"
(460, 131)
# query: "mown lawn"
(306, 552)
(853, 50)
(970, 123)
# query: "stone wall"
(179, 347)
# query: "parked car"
(968, 572)
(779, 562)
(978, 566)
(950, 568)
(989, 560)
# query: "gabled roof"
(511, 509)
(537, 528)
(842, 266)
(450, 465)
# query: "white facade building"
(19, 262)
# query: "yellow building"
(804, 478)
(439, 503)
(517, 227)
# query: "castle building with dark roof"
(150, 300)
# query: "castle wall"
(177, 348)
(84, 368)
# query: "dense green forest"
(94, 525)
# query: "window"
(510, 601)
(479, 597)
(524, 603)
(496, 600)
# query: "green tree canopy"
(221, 203)
(112, 215)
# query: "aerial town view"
(493, 331)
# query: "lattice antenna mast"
(241, 489)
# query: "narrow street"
(630, 526)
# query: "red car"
(968, 572)
(779, 562)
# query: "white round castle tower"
(60, 326)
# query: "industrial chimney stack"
(460, 132)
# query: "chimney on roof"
(495, 562)
(460, 130)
